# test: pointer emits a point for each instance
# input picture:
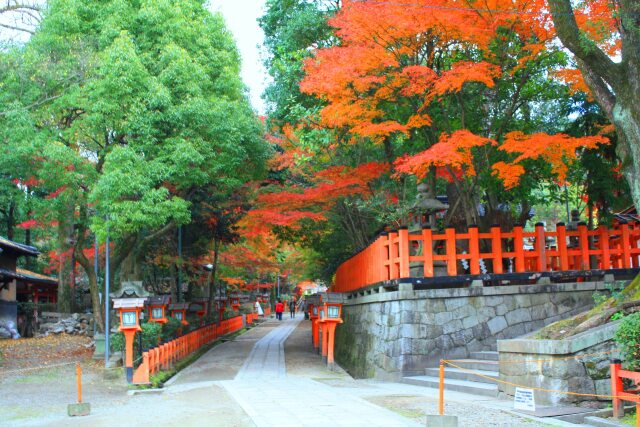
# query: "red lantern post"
(129, 311)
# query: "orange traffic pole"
(441, 391)
(79, 379)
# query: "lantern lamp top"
(124, 303)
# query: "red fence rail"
(166, 355)
(393, 255)
(618, 392)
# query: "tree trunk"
(614, 85)
(65, 231)
(11, 220)
(212, 279)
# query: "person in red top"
(279, 309)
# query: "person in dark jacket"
(292, 308)
(279, 309)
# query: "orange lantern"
(158, 308)
(179, 311)
(129, 310)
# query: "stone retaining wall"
(393, 334)
(553, 365)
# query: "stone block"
(485, 313)
(452, 326)
(493, 301)
(518, 316)
(501, 309)
(464, 311)
(469, 322)
(78, 409)
(443, 317)
(454, 303)
(603, 388)
(496, 325)
(442, 421)
(433, 331)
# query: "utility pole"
(179, 290)
(107, 326)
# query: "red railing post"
(427, 251)
(474, 250)
(450, 244)
(626, 246)
(403, 252)
(496, 249)
(541, 247)
(518, 248)
(561, 242)
(616, 388)
(394, 271)
(585, 264)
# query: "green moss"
(564, 328)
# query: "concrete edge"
(406, 294)
(565, 346)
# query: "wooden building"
(9, 254)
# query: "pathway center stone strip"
(271, 398)
(266, 359)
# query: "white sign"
(524, 399)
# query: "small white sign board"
(524, 399)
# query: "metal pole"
(106, 303)
(95, 270)
(179, 290)
(278, 280)
(566, 201)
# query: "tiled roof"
(18, 247)
(27, 276)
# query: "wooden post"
(541, 248)
(403, 252)
(394, 271)
(584, 246)
(605, 260)
(561, 242)
(474, 250)
(427, 251)
(441, 390)
(518, 248)
(616, 388)
(626, 246)
(79, 380)
(450, 244)
(496, 249)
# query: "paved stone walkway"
(271, 398)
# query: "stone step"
(459, 374)
(485, 355)
(463, 386)
(476, 364)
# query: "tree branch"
(584, 49)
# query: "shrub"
(170, 329)
(628, 337)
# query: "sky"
(241, 17)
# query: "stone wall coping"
(406, 292)
(570, 345)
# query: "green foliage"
(615, 291)
(628, 338)
(170, 329)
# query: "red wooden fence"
(619, 393)
(391, 256)
(165, 356)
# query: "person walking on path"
(259, 309)
(279, 309)
(292, 308)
